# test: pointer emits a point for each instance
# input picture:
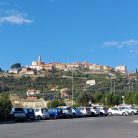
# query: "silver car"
(18, 113)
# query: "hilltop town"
(39, 68)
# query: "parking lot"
(91, 127)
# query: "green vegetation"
(56, 103)
(5, 106)
(107, 90)
(16, 66)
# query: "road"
(102, 127)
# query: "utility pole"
(114, 87)
(136, 79)
(129, 85)
(72, 88)
(111, 87)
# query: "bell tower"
(39, 60)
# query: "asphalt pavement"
(93, 127)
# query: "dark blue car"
(55, 113)
(29, 113)
(76, 112)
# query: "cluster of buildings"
(39, 65)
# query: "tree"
(98, 97)
(84, 99)
(116, 100)
(111, 100)
(16, 66)
(1, 70)
(5, 106)
(107, 99)
(55, 103)
(129, 98)
(135, 98)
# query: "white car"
(128, 109)
(117, 111)
(86, 111)
(41, 113)
(94, 111)
(102, 110)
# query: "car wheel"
(32, 119)
(92, 114)
(110, 113)
(39, 117)
(132, 113)
(74, 115)
(123, 114)
(55, 117)
(101, 114)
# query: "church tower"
(39, 60)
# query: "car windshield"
(37, 110)
(59, 110)
(81, 108)
(88, 109)
(19, 109)
(30, 110)
(76, 109)
(68, 108)
(115, 109)
(44, 110)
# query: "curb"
(7, 122)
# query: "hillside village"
(33, 85)
(85, 67)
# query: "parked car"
(94, 111)
(76, 112)
(29, 113)
(41, 113)
(117, 111)
(128, 109)
(102, 110)
(67, 111)
(18, 113)
(55, 113)
(86, 111)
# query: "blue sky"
(98, 31)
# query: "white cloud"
(131, 44)
(15, 19)
(110, 44)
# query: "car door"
(116, 111)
